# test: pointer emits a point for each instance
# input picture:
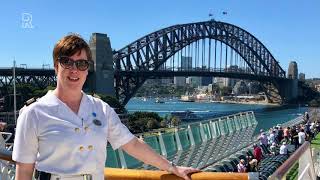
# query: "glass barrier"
(222, 127)
(242, 121)
(153, 142)
(214, 129)
(132, 163)
(112, 158)
(237, 122)
(206, 130)
(196, 134)
(170, 143)
(184, 139)
(229, 122)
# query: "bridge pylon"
(101, 76)
(288, 89)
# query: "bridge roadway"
(27, 72)
(8, 72)
(203, 73)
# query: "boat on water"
(158, 100)
(187, 98)
(185, 116)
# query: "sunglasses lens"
(82, 65)
(66, 62)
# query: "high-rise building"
(194, 81)
(167, 81)
(293, 70)
(186, 63)
(224, 82)
(179, 81)
(205, 81)
(302, 76)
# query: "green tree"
(163, 123)
(152, 124)
(225, 90)
(113, 102)
(140, 122)
(175, 121)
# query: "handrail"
(285, 167)
(134, 174)
(6, 155)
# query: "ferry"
(159, 101)
(187, 98)
(185, 116)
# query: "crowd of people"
(276, 142)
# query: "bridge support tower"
(101, 76)
(288, 89)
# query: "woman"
(64, 134)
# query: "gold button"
(81, 148)
(86, 128)
(77, 130)
(90, 147)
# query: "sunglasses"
(68, 63)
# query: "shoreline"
(250, 103)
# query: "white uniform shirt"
(271, 138)
(59, 141)
(302, 137)
(283, 149)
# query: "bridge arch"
(148, 53)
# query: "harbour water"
(267, 116)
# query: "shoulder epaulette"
(30, 101)
(96, 96)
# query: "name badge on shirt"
(97, 122)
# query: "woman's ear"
(56, 69)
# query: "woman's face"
(72, 78)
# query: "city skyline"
(288, 29)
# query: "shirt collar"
(52, 100)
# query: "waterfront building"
(240, 88)
(194, 81)
(167, 81)
(224, 82)
(179, 81)
(205, 81)
(317, 86)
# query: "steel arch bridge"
(150, 55)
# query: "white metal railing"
(7, 169)
(305, 169)
(316, 160)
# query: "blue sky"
(288, 28)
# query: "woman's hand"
(184, 172)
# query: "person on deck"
(64, 134)
(302, 136)
(284, 149)
(241, 166)
(257, 153)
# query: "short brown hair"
(68, 46)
